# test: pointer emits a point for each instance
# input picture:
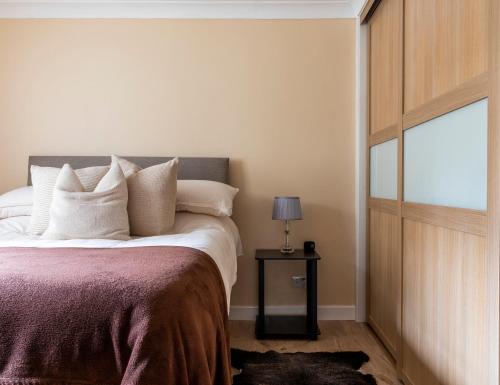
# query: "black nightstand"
(289, 326)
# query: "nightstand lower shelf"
(284, 327)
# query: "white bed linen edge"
(216, 236)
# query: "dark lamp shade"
(287, 209)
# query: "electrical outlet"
(299, 281)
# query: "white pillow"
(205, 197)
(152, 192)
(77, 214)
(15, 203)
(44, 180)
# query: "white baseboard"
(248, 313)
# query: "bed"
(145, 311)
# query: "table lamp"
(287, 209)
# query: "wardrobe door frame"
(493, 214)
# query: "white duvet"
(216, 236)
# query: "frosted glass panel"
(445, 159)
(384, 170)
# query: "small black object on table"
(289, 326)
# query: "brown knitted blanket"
(129, 316)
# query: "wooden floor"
(335, 336)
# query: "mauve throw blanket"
(130, 316)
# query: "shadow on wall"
(331, 227)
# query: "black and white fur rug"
(273, 368)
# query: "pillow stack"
(112, 202)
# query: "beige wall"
(277, 97)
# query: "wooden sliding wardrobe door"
(434, 177)
(385, 106)
(445, 331)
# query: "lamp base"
(287, 249)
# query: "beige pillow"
(205, 197)
(152, 193)
(44, 180)
(77, 214)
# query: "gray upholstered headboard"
(215, 169)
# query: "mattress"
(218, 237)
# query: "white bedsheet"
(216, 236)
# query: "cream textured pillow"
(151, 196)
(77, 214)
(205, 197)
(44, 180)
